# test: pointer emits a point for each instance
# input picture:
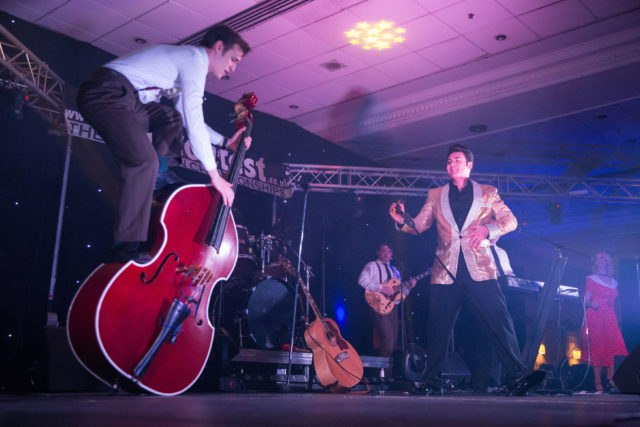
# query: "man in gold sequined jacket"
(467, 215)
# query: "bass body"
(120, 323)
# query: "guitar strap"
(389, 277)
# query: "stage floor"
(316, 409)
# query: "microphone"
(407, 219)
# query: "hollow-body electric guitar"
(384, 304)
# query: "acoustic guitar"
(384, 304)
(337, 364)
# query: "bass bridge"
(341, 356)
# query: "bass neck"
(244, 118)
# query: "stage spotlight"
(340, 314)
(555, 212)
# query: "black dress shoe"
(526, 383)
(122, 252)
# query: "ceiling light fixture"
(293, 106)
(380, 35)
(332, 65)
(140, 40)
(478, 127)
(501, 37)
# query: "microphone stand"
(295, 299)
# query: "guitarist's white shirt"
(370, 278)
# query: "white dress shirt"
(370, 275)
(182, 69)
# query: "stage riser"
(63, 371)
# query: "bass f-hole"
(155, 275)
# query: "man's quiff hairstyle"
(381, 244)
(227, 35)
(459, 148)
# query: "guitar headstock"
(286, 264)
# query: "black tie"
(388, 272)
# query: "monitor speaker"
(627, 376)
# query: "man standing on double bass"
(467, 216)
(123, 102)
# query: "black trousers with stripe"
(110, 104)
(488, 303)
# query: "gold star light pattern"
(380, 35)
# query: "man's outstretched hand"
(393, 212)
(235, 139)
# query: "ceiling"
(559, 96)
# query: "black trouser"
(487, 302)
(386, 327)
(110, 104)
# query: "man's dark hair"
(459, 148)
(381, 244)
(227, 35)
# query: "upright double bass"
(146, 327)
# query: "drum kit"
(254, 307)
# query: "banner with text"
(255, 173)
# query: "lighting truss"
(33, 77)
(417, 183)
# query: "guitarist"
(158, 90)
(373, 275)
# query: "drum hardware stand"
(264, 254)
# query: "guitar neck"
(312, 302)
(418, 277)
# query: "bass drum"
(269, 314)
(258, 317)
